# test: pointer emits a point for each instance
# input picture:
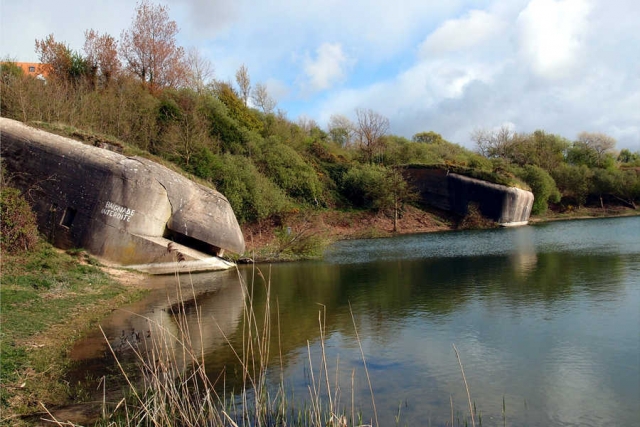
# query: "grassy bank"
(48, 299)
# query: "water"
(546, 319)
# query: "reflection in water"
(524, 257)
(153, 326)
(547, 317)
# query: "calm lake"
(546, 320)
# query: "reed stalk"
(466, 386)
(171, 387)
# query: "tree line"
(160, 98)
(587, 170)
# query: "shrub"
(289, 170)
(573, 182)
(252, 195)
(363, 185)
(542, 186)
(18, 230)
(474, 220)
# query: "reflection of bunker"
(128, 210)
(155, 325)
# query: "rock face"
(452, 192)
(128, 210)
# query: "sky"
(451, 66)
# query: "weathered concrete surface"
(507, 206)
(127, 210)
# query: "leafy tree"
(603, 182)
(235, 106)
(397, 192)
(222, 127)
(362, 185)
(149, 47)
(429, 137)
(10, 70)
(539, 149)
(542, 186)
(627, 187)
(379, 188)
(573, 181)
(599, 143)
(341, 130)
(626, 156)
(184, 124)
(581, 153)
(61, 62)
(399, 150)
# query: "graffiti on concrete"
(118, 212)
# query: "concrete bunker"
(126, 210)
(508, 206)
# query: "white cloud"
(559, 65)
(328, 68)
(21, 23)
(207, 18)
(474, 28)
(277, 89)
(551, 35)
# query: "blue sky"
(453, 66)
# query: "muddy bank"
(340, 225)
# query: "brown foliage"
(102, 55)
(55, 56)
(149, 48)
(474, 220)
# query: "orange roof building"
(34, 69)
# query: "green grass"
(48, 299)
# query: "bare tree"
(149, 47)
(102, 55)
(306, 123)
(600, 143)
(341, 130)
(200, 70)
(370, 129)
(262, 99)
(496, 143)
(244, 83)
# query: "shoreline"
(332, 226)
(586, 213)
